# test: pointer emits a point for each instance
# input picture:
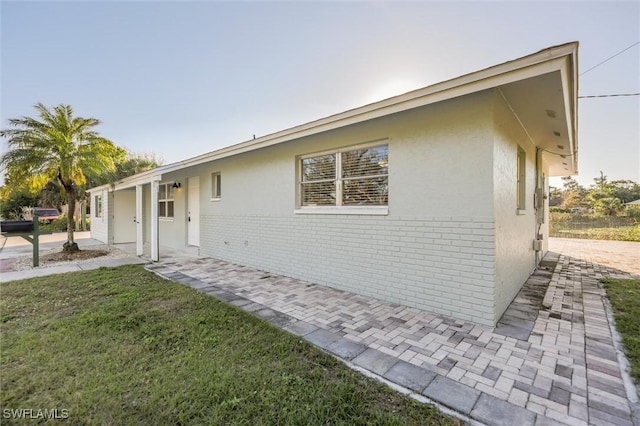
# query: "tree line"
(603, 197)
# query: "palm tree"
(57, 147)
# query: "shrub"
(56, 225)
(633, 211)
(608, 206)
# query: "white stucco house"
(435, 199)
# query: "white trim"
(216, 180)
(215, 199)
(167, 200)
(524, 129)
(139, 222)
(347, 148)
(563, 58)
(139, 179)
(364, 210)
(155, 240)
(337, 179)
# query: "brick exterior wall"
(443, 265)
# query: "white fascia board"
(99, 188)
(571, 117)
(573, 65)
(137, 180)
(546, 61)
(426, 97)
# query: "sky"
(181, 78)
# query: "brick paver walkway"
(565, 372)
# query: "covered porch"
(153, 216)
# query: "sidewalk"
(563, 370)
(16, 247)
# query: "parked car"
(47, 214)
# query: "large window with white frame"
(165, 201)
(216, 186)
(353, 177)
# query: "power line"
(609, 58)
(609, 96)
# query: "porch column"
(139, 222)
(154, 221)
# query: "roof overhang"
(546, 80)
(546, 106)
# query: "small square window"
(521, 179)
(216, 185)
(165, 200)
(98, 205)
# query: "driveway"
(622, 255)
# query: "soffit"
(542, 107)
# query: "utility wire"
(609, 58)
(609, 96)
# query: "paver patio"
(551, 360)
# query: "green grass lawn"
(624, 296)
(621, 233)
(123, 346)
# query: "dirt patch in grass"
(55, 256)
(77, 255)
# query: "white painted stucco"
(452, 240)
(514, 230)
(435, 248)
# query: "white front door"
(124, 216)
(193, 211)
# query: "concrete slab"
(265, 313)
(322, 338)
(280, 320)
(251, 307)
(41, 272)
(346, 349)
(375, 361)
(494, 411)
(410, 376)
(70, 267)
(456, 395)
(300, 328)
(240, 302)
